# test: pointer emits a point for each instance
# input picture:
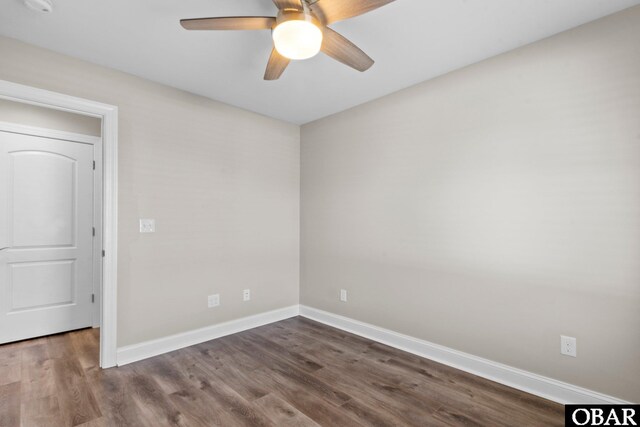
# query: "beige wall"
(32, 115)
(492, 209)
(222, 184)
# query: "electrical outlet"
(246, 295)
(213, 300)
(568, 346)
(147, 225)
(343, 295)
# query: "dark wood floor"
(292, 373)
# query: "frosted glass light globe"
(297, 39)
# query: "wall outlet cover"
(343, 295)
(568, 346)
(213, 300)
(147, 225)
(246, 295)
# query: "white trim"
(98, 212)
(144, 350)
(96, 142)
(109, 115)
(538, 385)
(49, 133)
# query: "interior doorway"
(59, 265)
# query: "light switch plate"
(147, 225)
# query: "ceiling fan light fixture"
(299, 31)
(44, 6)
(297, 39)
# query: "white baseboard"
(144, 350)
(538, 385)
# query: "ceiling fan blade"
(230, 23)
(275, 67)
(341, 49)
(329, 11)
(288, 4)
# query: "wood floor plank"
(38, 380)
(389, 384)
(164, 374)
(201, 413)
(291, 370)
(87, 348)
(405, 412)
(10, 404)
(194, 384)
(370, 416)
(318, 349)
(325, 332)
(75, 398)
(282, 413)
(243, 412)
(241, 381)
(221, 355)
(472, 415)
(152, 402)
(113, 394)
(10, 373)
(43, 411)
(320, 411)
(98, 422)
(60, 346)
(306, 363)
(10, 354)
(296, 372)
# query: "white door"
(46, 234)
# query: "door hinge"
(94, 165)
(93, 298)
(93, 231)
(103, 252)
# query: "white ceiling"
(411, 41)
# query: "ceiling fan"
(300, 31)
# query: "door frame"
(109, 168)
